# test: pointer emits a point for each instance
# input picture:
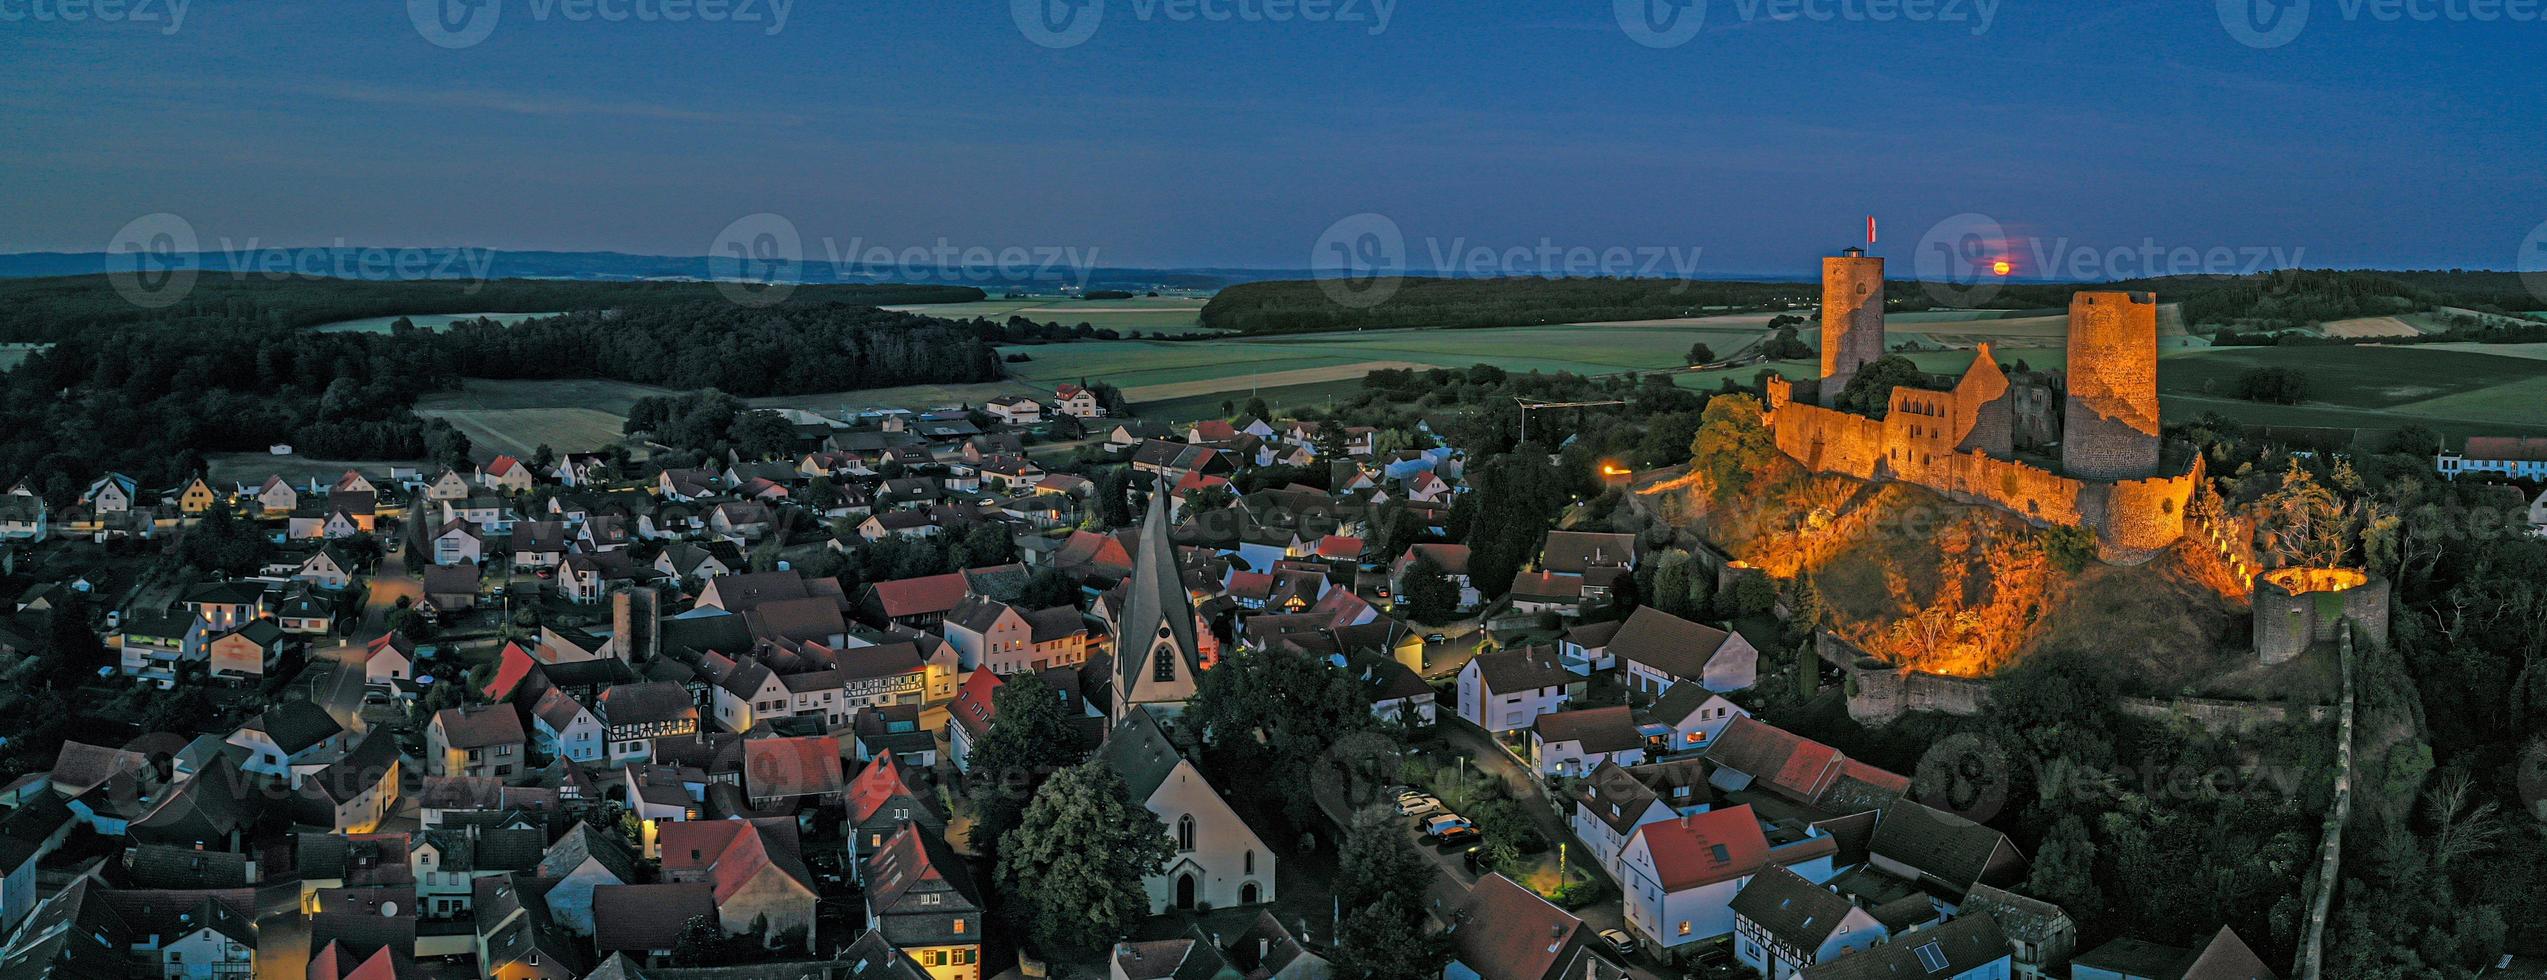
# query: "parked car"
(1619, 941)
(1439, 824)
(1458, 834)
(1417, 806)
(1437, 639)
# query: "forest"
(2268, 301)
(50, 309)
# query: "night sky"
(1166, 139)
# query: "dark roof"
(1952, 849)
(1795, 911)
(1574, 551)
(1616, 798)
(1957, 947)
(1140, 752)
(295, 725)
(647, 917)
(1611, 729)
(479, 726)
(1525, 669)
(1667, 643)
(1158, 612)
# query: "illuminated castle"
(1967, 442)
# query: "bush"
(2273, 385)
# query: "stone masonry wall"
(2110, 430)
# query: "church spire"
(1156, 658)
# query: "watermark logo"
(152, 261)
(758, 260)
(457, 24)
(1661, 23)
(1058, 23)
(170, 15)
(2532, 262)
(1070, 23)
(1360, 261)
(1672, 23)
(2264, 24)
(1959, 260)
(1964, 774)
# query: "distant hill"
(452, 263)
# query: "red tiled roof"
(1507, 932)
(1791, 765)
(974, 706)
(876, 785)
(1700, 850)
(807, 766)
(920, 596)
(2506, 448)
(509, 671)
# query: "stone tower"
(2109, 428)
(1852, 317)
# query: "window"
(959, 926)
(1163, 663)
(1248, 862)
(1684, 927)
(1932, 956)
(1185, 832)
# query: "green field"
(2349, 376)
(1590, 349)
(12, 355)
(428, 321)
(1147, 314)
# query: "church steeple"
(1155, 657)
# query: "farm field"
(2352, 377)
(1584, 349)
(910, 396)
(2370, 326)
(2533, 352)
(250, 469)
(428, 321)
(517, 417)
(1168, 314)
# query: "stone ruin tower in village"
(1988, 439)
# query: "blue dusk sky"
(1234, 133)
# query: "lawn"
(2347, 376)
(1147, 314)
(518, 417)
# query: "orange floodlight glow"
(2002, 267)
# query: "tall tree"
(1431, 597)
(1384, 884)
(1072, 870)
(1029, 740)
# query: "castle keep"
(1968, 442)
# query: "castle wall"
(1879, 694)
(1852, 318)
(2288, 622)
(2110, 419)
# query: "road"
(389, 583)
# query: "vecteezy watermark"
(1070, 23)
(457, 24)
(2267, 24)
(1965, 260)
(2531, 262)
(1361, 260)
(760, 259)
(170, 15)
(1964, 774)
(154, 261)
(1672, 23)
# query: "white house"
(1968, 948)
(1697, 716)
(1077, 402)
(1508, 690)
(2515, 457)
(1573, 743)
(1679, 877)
(1661, 649)
(1608, 807)
(1218, 859)
(1016, 410)
(458, 543)
(564, 727)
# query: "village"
(576, 716)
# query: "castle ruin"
(1973, 442)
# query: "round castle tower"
(1852, 317)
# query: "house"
(282, 740)
(1943, 854)
(694, 563)
(757, 873)
(1573, 743)
(457, 542)
(645, 922)
(1453, 559)
(1696, 716)
(111, 494)
(1680, 876)
(327, 568)
(451, 588)
(968, 720)
(1608, 807)
(1783, 923)
(740, 519)
(582, 860)
(1508, 690)
(353, 794)
(246, 651)
(1661, 650)
(881, 801)
(2225, 957)
(633, 716)
(506, 475)
(565, 728)
(2521, 458)
(1005, 639)
(921, 898)
(538, 544)
(2041, 936)
(304, 612)
(1749, 752)
(1585, 647)
(1399, 695)
(517, 938)
(1967, 948)
(1507, 932)
(23, 517)
(874, 957)
(1546, 592)
(476, 740)
(898, 524)
(1016, 410)
(276, 498)
(1077, 402)
(1218, 859)
(781, 774)
(448, 486)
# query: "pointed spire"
(1158, 617)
